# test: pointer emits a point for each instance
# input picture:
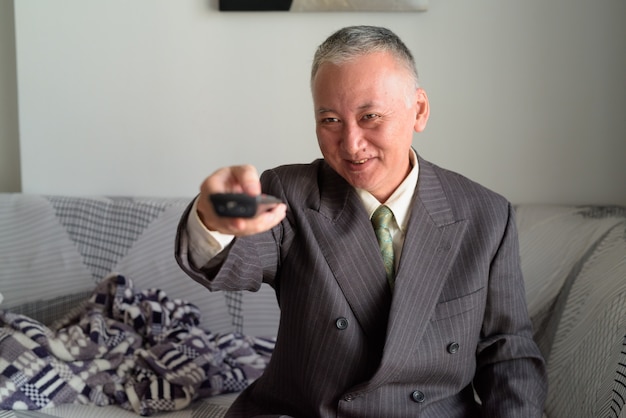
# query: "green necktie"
(381, 220)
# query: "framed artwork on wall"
(325, 5)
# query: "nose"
(352, 140)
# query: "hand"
(236, 179)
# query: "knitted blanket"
(138, 349)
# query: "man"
(444, 323)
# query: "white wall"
(9, 135)
(148, 97)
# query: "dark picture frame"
(323, 5)
(254, 5)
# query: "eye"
(329, 120)
(370, 116)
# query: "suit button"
(453, 348)
(418, 396)
(350, 397)
(341, 323)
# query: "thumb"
(247, 177)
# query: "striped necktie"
(381, 220)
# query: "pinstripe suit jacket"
(346, 346)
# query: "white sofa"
(57, 254)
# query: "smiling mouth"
(363, 161)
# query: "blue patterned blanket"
(140, 350)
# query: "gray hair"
(355, 41)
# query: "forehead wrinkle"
(366, 106)
(359, 108)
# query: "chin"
(357, 180)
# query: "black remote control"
(241, 205)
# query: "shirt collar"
(400, 201)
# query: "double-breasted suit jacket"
(349, 347)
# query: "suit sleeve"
(244, 264)
(510, 378)
(240, 266)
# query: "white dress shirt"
(399, 203)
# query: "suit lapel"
(431, 244)
(347, 241)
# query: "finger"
(269, 219)
(222, 180)
(250, 226)
(234, 179)
(247, 178)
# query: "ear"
(423, 110)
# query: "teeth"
(359, 161)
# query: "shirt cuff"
(204, 244)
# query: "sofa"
(98, 320)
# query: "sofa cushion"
(587, 360)
(574, 264)
(553, 242)
(48, 311)
(39, 259)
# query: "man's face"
(366, 111)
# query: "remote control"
(241, 205)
